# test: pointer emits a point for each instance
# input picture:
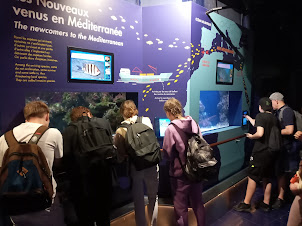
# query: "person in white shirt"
(36, 114)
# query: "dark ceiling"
(265, 13)
(276, 27)
(277, 46)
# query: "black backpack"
(142, 145)
(275, 139)
(95, 138)
(200, 164)
(25, 177)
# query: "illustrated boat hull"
(162, 77)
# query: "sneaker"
(263, 206)
(243, 207)
(278, 204)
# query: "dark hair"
(77, 113)
(266, 104)
(35, 109)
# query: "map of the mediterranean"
(210, 48)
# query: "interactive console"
(161, 125)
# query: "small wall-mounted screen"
(224, 73)
(244, 119)
(90, 66)
(161, 125)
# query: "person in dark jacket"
(175, 144)
(90, 181)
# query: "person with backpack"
(288, 160)
(88, 157)
(261, 166)
(27, 156)
(143, 167)
(175, 146)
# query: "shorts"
(261, 165)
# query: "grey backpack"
(142, 145)
(200, 164)
(298, 118)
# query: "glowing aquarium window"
(219, 109)
(101, 104)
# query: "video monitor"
(224, 73)
(161, 125)
(90, 66)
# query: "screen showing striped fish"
(90, 66)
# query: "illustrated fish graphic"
(91, 69)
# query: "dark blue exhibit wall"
(166, 41)
(45, 29)
(159, 52)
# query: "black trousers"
(92, 197)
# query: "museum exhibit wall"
(159, 52)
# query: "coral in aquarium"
(101, 104)
(213, 110)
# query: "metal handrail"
(227, 140)
(224, 141)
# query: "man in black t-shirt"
(288, 160)
(261, 167)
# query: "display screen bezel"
(71, 49)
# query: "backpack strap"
(139, 119)
(10, 138)
(37, 135)
(43, 162)
(281, 113)
(124, 125)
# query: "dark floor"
(257, 217)
(219, 201)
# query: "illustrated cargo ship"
(125, 75)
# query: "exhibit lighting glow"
(92, 1)
(184, 9)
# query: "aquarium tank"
(101, 104)
(214, 110)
